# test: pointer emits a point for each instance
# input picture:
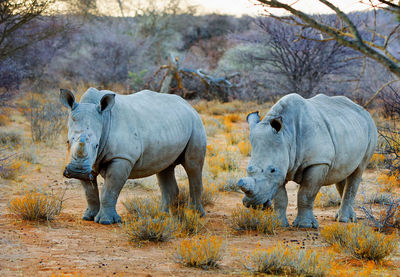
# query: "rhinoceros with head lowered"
(125, 137)
(314, 142)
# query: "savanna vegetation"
(226, 67)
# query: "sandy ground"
(69, 246)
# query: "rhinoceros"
(125, 137)
(314, 142)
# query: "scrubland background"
(226, 67)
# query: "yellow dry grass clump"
(264, 221)
(389, 182)
(208, 196)
(199, 251)
(286, 260)
(146, 221)
(37, 206)
(360, 241)
(244, 148)
(190, 221)
(377, 159)
(158, 228)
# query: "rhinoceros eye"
(273, 170)
(97, 145)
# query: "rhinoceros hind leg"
(340, 187)
(346, 212)
(115, 177)
(169, 187)
(313, 178)
(280, 205)
(92, 198)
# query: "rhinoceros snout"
(82, 174)
(246, 185)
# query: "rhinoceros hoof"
(305, 223)
(347, 215)
(107, 218)
(89, 214)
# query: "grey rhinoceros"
(314, 142)
(125, 137)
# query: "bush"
(360, 241)
(46, 119)
(208, 196)
(158, 228)
(37, 206)
(199, 251)
(281, 259)
(190, 222)
(327, 197)
(264, 221)
(389, 211)
(139, 207)
(10, 138)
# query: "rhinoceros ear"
(276, 123)
(253, 118)
(107, 102)
(67, 99)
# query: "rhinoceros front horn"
(247, 186)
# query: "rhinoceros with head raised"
(315, 142)
(125, 137)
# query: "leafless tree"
(345, 31)
(296, 65)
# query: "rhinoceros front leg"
(92, 198)
(115, 177)
(280, 205)
(169, 187)
(346, 212)
(313, 178)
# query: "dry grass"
(142, 207)
(263, 221)
(160, 227)
(388, 182)
(327, 197)
(360, 241)
(208, 196)
(37, 206)
(199, 251)
(10, 138)
(244, 148)
(284, 260)
(219, 160)
(190, 222)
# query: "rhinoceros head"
(84, 133)
(269, 161)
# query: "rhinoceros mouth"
(82, 174)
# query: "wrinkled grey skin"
(149, 133)
(315, 142)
